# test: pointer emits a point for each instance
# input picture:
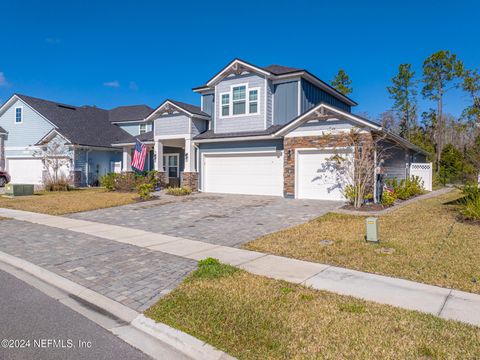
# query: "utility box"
(372, 229)
(19, 189)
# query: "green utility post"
(372, 230)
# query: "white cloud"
(113, 84)
(52, 40)
(133, 86)
(3, 79)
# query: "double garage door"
(317, 176)
(245, 173)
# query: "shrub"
(388, 198)
(212, 269)
(109, 181)
(179, 191)
(406, 188)
(470, 203)
(60, 184)
(350, 194)
(144, 190)
(451, 165)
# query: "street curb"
(186, 344)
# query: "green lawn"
(252, 317)
(428, 241)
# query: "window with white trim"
(18, 115)
(225, 104)
(253, 101)
(142, 129)
(239, 99)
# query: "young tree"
(404, 95)
(440, 70)
(342, 82)
(56, 158)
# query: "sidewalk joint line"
(445, 302)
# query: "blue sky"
(110, 53)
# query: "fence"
(424, 172)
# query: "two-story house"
(261, 130)
(27, 124)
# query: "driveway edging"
(182, 342)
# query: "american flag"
(138, 161)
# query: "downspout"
(86, 166)
(197, 167)
(375, 177)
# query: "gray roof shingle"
(84, 125)
(129, 113)
(3, 131)
(196, 110)
(209, 134)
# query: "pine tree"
(404, 94)
(342, 82)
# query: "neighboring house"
(261, 131)
(27, 124)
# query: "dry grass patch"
(66, 202)
(252, 317)
(429, 244)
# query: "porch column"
(126, 160)
(189, 156)
(2, 152)
(158, 155)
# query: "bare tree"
(55, 157)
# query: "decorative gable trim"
(50, 135)
(169, 108)
(236, 67)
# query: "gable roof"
(189, 109)
(129, 113)
(84, 125)
(275, 71)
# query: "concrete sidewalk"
(442, 302)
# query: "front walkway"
(446, 303)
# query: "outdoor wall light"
(186, 156)
(289, 153)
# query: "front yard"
(252, 317)
(66, 202)
(423, 241)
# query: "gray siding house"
(262, 131)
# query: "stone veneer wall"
(310, 142)
(190, 180)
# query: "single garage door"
(253, 173)
(25, 171)
(319, 176)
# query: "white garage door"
(253, 174)
(319, 176)
(25, 171)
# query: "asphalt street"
(36, 326)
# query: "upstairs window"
(225, 104)
(18, 115)
(143, 129)
(239, 100)
(253, 101)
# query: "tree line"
(453, 142)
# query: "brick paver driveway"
(134, 276)
(219, 219)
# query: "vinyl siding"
(319, 127)
(133, 128)
(175, 124)
(285, 102)
(396, 160)
(24, 134)
(98, 163)
(311, 95)
(270, 88)
(198, 126)
(208, 103)
(244, 122)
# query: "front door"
(171, 167)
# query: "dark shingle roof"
(189, 107)
(209, 134)
(280, 69)
(85, 125)
(2, 130)
(129, 113)
(148, 136)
